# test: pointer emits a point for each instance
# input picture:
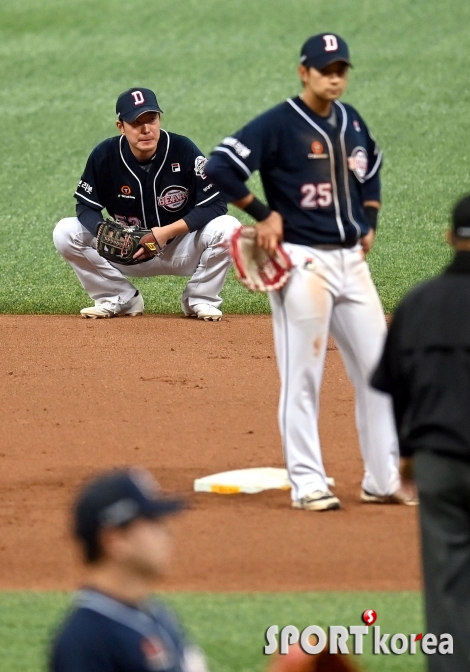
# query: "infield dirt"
(184, 398)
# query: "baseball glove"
(254, 267)
(119, 242)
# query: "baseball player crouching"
(320, 167)
(153, 179)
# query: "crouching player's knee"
(222, 229)
(68, 234)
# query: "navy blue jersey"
(316, 171)
(172, 186)
(104, 635)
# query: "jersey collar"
(159, 156)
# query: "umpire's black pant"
(444, 494)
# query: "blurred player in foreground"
(320, 169)
(114, 624)
(119, 520)
(425, 367)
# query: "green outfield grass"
(229, 627)
(214, 65)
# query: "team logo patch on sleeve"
(358, 162)
(241, 149)
(199, 164)
(156, 655)
(173, 198)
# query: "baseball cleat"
(107, 309)
(319, 500)
(204, 311)
(398, 497)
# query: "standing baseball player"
(153, 179)
(319, 167)
(114, 625)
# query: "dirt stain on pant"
(317, 344)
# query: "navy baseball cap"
(323, 49)
(134, 102)
(461, 218)
(119, 497)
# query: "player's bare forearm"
(162, 234)
(269, 230)
(243, 202)
(368, 240)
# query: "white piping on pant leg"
(285, 389)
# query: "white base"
(248, 481)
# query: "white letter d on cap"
(138, 97)
(331, 43)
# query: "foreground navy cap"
(134, 102)
(118, 497)
(323, 49)
(461, 218)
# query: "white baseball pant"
(203, 255)
(331, 291)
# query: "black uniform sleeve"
(87, 191)
(203, 214)
(209, 201)
(238, 156)
(371, 186)
(88, 217)
(227, 177)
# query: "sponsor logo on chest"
(173, 198)
(126, 192)
(317, 151)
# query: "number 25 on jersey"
(316, 195)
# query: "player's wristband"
(258, 210)
(372, 215)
